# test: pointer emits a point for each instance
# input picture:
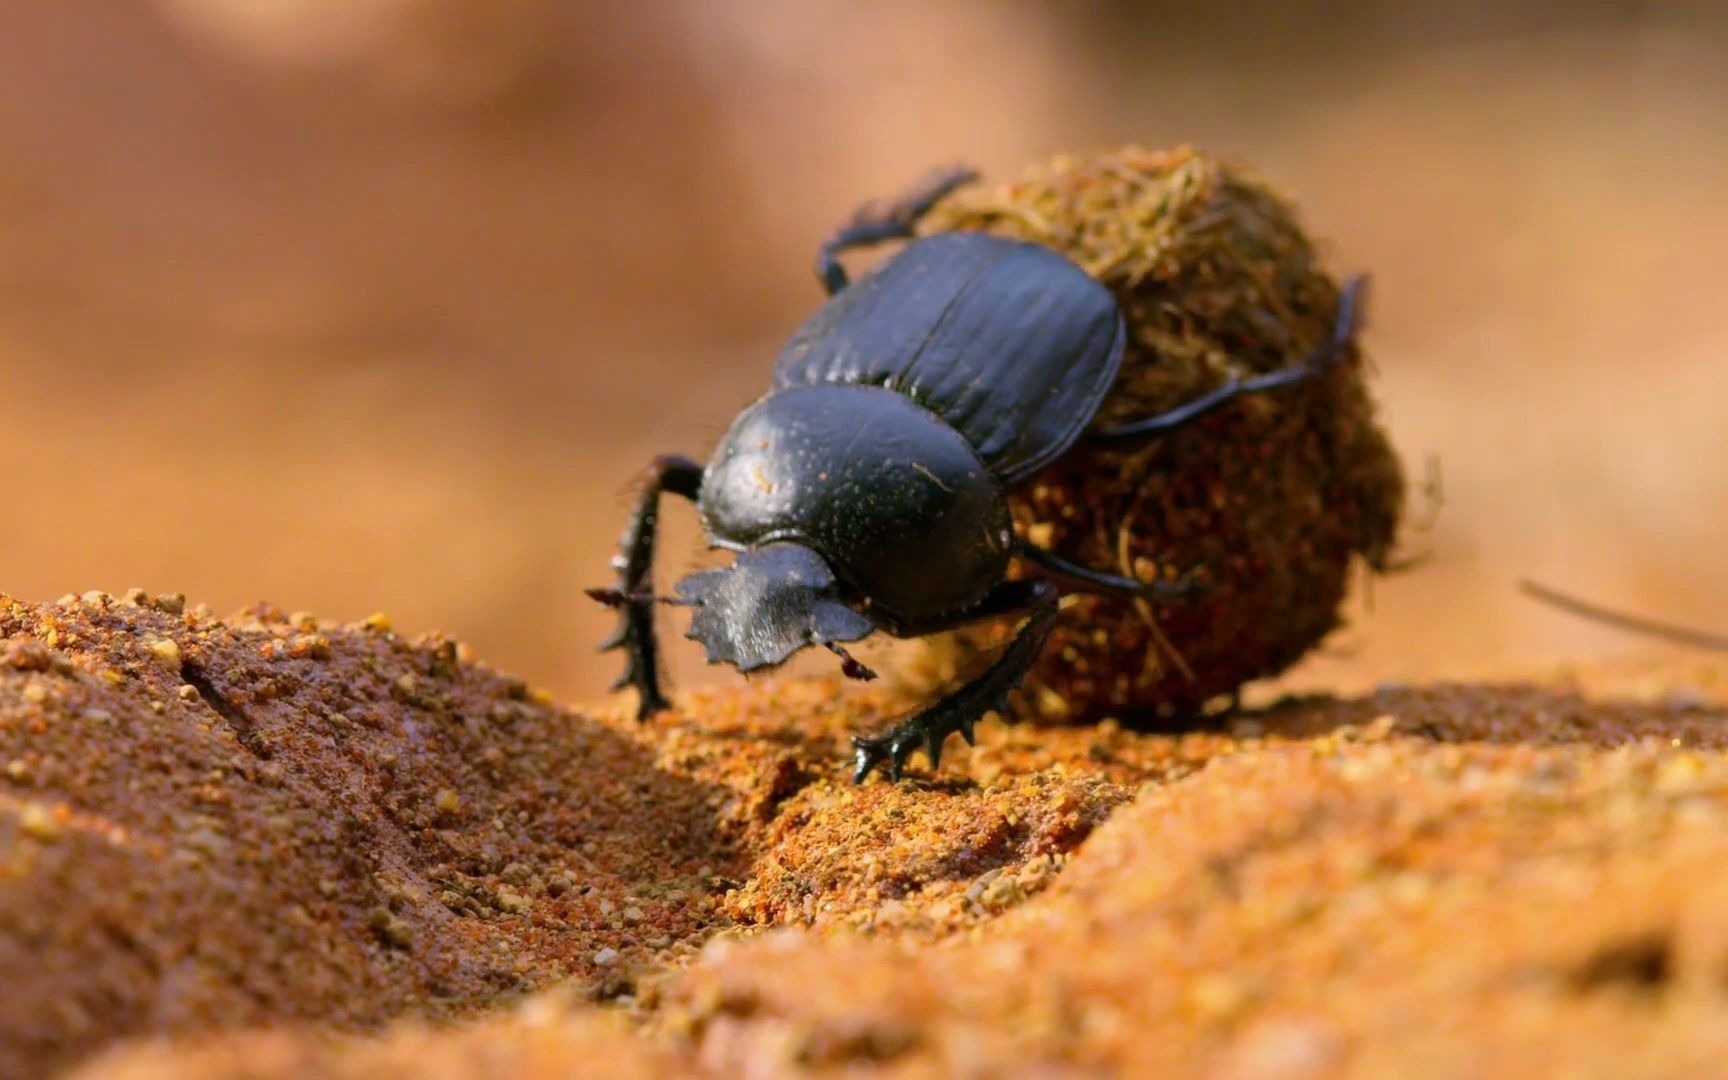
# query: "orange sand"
(345, 833)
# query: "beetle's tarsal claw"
(867, 753)
(652, 705)
(960, 710)
(891, 750)
(933, 741)
(927, 731)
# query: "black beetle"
(866, 490)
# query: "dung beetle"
(867, 489)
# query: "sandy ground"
(249, 846)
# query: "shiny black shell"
(1010, 343)
(897, 501)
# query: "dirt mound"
(211, 824)
(317, 833)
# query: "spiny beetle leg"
(960, 710)
(1344, 328)
(635, 565)
(893, 219)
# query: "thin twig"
(1683, 635)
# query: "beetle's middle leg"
(893, 219)
(1086, 579)
(1344, 330)
(635, 563)
(960, 710)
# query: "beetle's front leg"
(960, 710)
(635, 564)
(1086, 579)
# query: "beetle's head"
(771, 602)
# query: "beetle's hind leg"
(893, 219)
(635, 564)
(960, 710)
(1344, 328)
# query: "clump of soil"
(1269, 502)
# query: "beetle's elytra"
(867, 490)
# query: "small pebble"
(38, 821)
(392, 929)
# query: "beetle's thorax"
(896, 500)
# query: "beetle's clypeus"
(866, 490)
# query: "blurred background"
(381, 304)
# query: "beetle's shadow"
(1498, 713)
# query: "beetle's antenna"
(1683, 635)
(849, 664)
(617, 598)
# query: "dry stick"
(1683, 635)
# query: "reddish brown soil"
(271, 839)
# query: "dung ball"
(1268, 503)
